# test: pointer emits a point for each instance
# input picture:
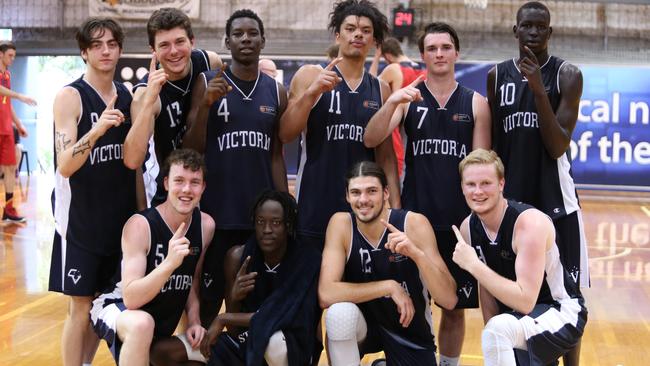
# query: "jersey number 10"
(507, 94)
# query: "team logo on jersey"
(207, 279)
(556, 210)
(74, 275)
(396, 258)
(574, 272)
(461, 117)
(507, 255)
(370, 104)
(267, 109)
(194, 250)
(466, 289)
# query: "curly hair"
(361, 8)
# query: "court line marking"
(645, 210)
(617, 255)
(28, 306)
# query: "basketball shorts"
(550, 331)
(572, 244)
(466, 284)
(7, 150)
(75, 271)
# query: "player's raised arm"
(144, 110)
(309, 83)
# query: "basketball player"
(162, 250)
(380, 267)
(161, 100)
(400, 72)
(331, 106)
(94, 191)
(535, 100)
(443, 121)
(528, 299)
(272, 308)
(8, 119)
(234, 121)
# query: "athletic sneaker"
(379, 362)
(10, 214)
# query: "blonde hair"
(481, 157)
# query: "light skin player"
(78, 341)
(171, 48)
(7, 56)
(440, 56)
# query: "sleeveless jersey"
(92, 205)
(331, 145)
(168, 305)
(499, 256)
(438, 138)
(410, 72)
(365, 263)
(169, 126)
(6, 121)
(532, 176)
(238, 147)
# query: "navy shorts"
(466, 285)
(572, 244)
(398, 351)
(75, 271)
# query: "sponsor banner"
(139, 9)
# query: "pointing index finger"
(390, 227)
(111, 103)
(244, 265)
(333, 63)
(179, 232)
(530, 54)
(154, 62)
(417, 81)
(459, 236)
(223, 67)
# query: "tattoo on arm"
(60, 142)
(81, 147)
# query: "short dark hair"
(366, 169)
(244, 13)
(188, 158)
(391, 46)
(6, 45)
(439, 27)
(85, 34)
(361, 8)
(533, 5)
(289, 208)
(167, 19)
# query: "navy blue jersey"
(168, 305)
(92, 205)
(239, 140)
(169, 127)
(498, 254)
(367, 263)
(331, 145)
(438, 138)
(532, 175)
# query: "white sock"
(448, 361)
(86, 364)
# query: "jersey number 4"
(222, 111)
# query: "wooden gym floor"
(618, 330)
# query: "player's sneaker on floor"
(9, 214)
(379, 362)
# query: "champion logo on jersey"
(505, 254)
(461, 117)
(74, 274)
(556, 210)
(194, 250)
(267, 109)
(370, 104)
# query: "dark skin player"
(533, 32)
